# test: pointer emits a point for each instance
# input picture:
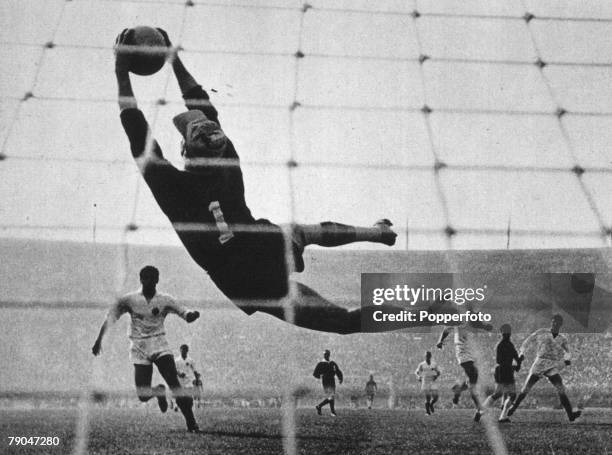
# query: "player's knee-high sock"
(565, 402)
(323, 403)
(332, 234)
(332, 404)
(519, 399)
(185, 404)
(507, 404)
(488, 401)
(434, 400)
(476, 398)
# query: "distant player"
(327, 370)
(148, 310)
(244, 256)
(188, 376)
(370, 389)
(508, 362)
(465, 353)
(427, 373)
(552, 355)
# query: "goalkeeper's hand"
(192, 316)
(122, 58)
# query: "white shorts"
(429, 386)
(546, 367)
(145, 351)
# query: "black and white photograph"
(298, 227)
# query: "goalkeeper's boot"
(160, 393)
(574, 415)
(194, 429)
(387, 236)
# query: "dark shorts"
(504, 374)
(471, 371)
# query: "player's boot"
(387, 235)
(478, 415)
(574, 415)
(194, 429)
(318, 408)
(332, 407)
(160, 393)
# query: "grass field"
(258, 431)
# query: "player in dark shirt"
(327, 370)
(508, 361)
(245, 257)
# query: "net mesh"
(470, 125)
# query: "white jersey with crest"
(427, 372)
(147, 317)
(551, 351)
(186, 370)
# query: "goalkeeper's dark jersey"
(327, 371)
(505, 355)
(203, 209)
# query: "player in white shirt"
(370, 389)
(465, 353)
(552, 355)
(188, 376)
(427, 372)
(148, 310)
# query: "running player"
(552, 355)
(508, 361)
(244, 257)
(370, 389)
(188, 376)
(427, 372)
(148, 310)
(465, 353)
(327, 370)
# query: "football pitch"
(259, 431)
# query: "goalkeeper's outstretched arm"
(445, 333)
